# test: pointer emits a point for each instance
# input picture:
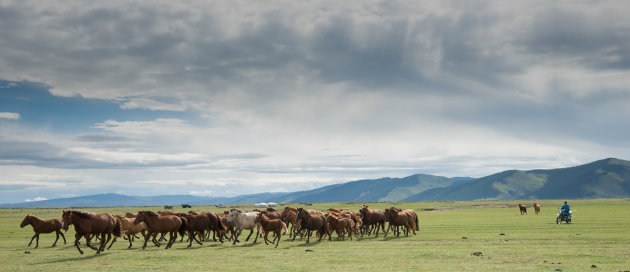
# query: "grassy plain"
(600, 236)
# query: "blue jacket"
(565, 209)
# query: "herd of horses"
(106, 228)
(523, 209)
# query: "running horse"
(161, 224)
(86, 224)
(43, 226)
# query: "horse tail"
(183, 226)
(284, 227)
(220, 225)
(417, 226)
(117, 230)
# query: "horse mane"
(83, 214)
(150, 213)
(120, 216)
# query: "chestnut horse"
(311, 220)
(271, 225)
(522, 208)
(129, 228)
(86, 223)
(396, 218)
(170, 224)
(372, 218)
(43, 226)
(536, 208)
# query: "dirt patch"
(445, 208)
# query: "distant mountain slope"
(608, 178)
(384, 189)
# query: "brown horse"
(289, 217)
(396, 218)
(170, 224)
(196, 224)
(271, 225)
(128, 228)
(340, 224)
(536, 208)
(522, 208)
(86, 224)
(229, 227)
(312, 220)
(43, 226)
(215, 225)
(372, 218)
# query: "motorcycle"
(564, 217)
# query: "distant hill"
(608, 178)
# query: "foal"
(43, 226)
(271, 225)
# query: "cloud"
(39, 198)
(9, 115)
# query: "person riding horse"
(564, 210)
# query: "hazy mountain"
(608, 178)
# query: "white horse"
(243, 221)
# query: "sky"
(223, 98)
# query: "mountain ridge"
(607, 178)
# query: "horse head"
(26, 221)
(67, 220)
(139, 218)
(232, 215)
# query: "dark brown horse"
(86, 224)
(372, 218)
(522, 208)
(537, 208)
(271, 225)
(311, 220)
(198, 223)
(229, 227)
(215, 225)
(43, 226)
(170, 224)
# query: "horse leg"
(62, 236)
(113, 241)
(266, 239)
(190, 237)
(129, 238)
(257, 231)
(76, 242)
(250, 235)
(87, 242)
(146, 239)
(236, 234)
(157, 242)
(29, 243)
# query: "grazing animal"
(86, 224)
(271, 225)
(130, 229)
(215, 225)
(340, 225)
(537, 208)
(170, 224)
(397, 217)
(229, 227)
(43, 226)
(311, 220)
(372, 218)
(522, 208)
(243, 221)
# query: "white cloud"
(9, 115)
(39, 198)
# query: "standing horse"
(522, 208)
(86, 224)
(396, 218)
(372, 218)
(311, 220)
(170, 224)
(271, 225)
(43, 226)
(536, 208)
(243, 221)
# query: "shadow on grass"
(81, 258)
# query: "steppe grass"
(508, 241)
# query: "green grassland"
(600, 236)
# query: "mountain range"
(608, 178)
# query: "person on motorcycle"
(565, 209)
